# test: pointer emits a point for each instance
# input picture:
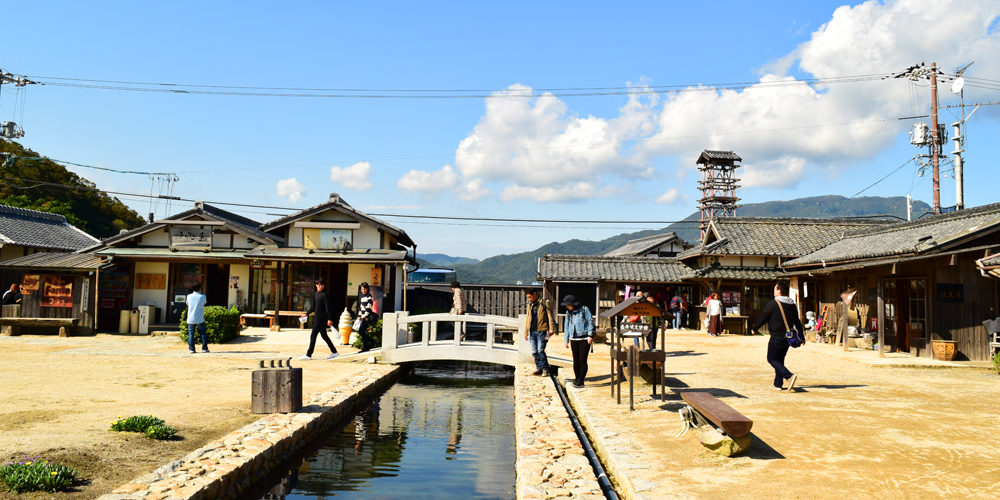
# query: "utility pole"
(10, 130)
(935, 140)
(909, 207)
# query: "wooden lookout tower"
(718, 185)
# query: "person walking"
(777, 346)
(714, 312)
(196, 317)
(685, 309)
(578, 333)
(458, 302)
(366, 313)
(322, 319)
(540, 326)
(675, 309)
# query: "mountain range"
(520, 267)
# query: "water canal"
(446, 431)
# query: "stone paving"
(550, 458)
(226, 467)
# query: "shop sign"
(950, 293)
(57, 291)
(151, 281)
(190, 238)
(29, 283)
(257, 264)
(327, 239)
(376, 276)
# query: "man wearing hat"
(578, 328)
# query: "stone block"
(722, 444)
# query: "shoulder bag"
(794, 337)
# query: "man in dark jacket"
(777, 346)
(12, 296)
(321, 321)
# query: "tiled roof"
(31, 228)
(709, 154)
(55, 260)
(337, 203)
(990, 261)
(641, 246)
(235, 222)
(905, 238)
(715, 271)
(775, 237)
(636, 269)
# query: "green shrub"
(34, 474)
(161, 432)
(221, 325)
(135, 423)
(996, 361)
(374, 335)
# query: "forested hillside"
(33, 182)
(512, 268)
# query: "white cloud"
(354, 177)
(576, 191)
(673, 197)
(428, 183)
(547, 145)
(472, 190)
(784, 133)
(870, 38)
(291, 190)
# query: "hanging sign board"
(376, 276)
(327, 239)
(950, 293)
(29, 283)
(151, 281)
(190, 238)
(257, 264)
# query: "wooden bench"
(12, 326)
(732, 422)
(271, 317)
(244, 317)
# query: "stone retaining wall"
(550, 459)
(226, 467)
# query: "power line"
(43, 158)
(372, 93)
(870, 186)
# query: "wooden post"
(881, 318)
(277, 387)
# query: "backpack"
(675, 304)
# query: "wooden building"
(57, 285)
(920, 281)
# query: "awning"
(165, 253)
(351, 256)
(56, 261)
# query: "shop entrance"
(905, 312)
(337, 287)
(217, 284)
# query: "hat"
(455, 284)
(570, 300)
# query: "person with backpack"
(777, 314)
(676, 304)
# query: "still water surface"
(447, 432)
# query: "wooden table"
(272, 318)
(737, 325)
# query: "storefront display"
(303, 289)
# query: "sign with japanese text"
(950, 293)
(190, 238)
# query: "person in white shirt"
(714, 315)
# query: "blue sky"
(553, 157)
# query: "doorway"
(906, 312)
(217, 284)
(338, 287)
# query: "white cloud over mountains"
(538, 149)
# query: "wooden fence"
(496, 300)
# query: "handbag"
(794, 338)
(357, 324)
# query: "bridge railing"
(400, 330)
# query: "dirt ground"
(853, 428)
(60, 395)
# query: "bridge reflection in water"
(445, 432)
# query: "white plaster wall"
(243, 272)
(729, 261)
(240, 241)
(364, 238)
(220, 241)
(356, 274)
(8, 252)
(139, 297)
(156, 238)
(753, 261)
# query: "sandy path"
(60, 395)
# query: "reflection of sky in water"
(446, 433)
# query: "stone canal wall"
(550, 458)
(226, 467)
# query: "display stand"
(632, 357)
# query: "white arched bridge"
(466, 337)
